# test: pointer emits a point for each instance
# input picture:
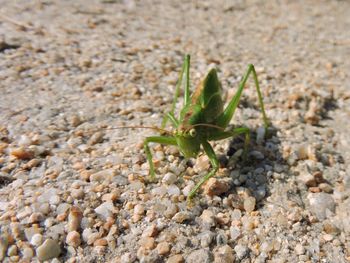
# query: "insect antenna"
(162, 131)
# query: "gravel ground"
(72, 190)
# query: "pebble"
(163, 248)
(139, 209)
(104, 175)
(321, 204)
(216, 187)
(74, 218)
(307, 179)
(73, 239)
(224, 254)
(208, 218)
(200, 255)
(147, 242)
(36, 240)
(28, 253)
(150, 231)
(22, 153)
(175, 259)
(249, 204)
(241, 251)
(299, 249)
(235, 232)
(173, 190)
(169, 178)
(100, 242)
(105, 210)
(12, 250)
(206, 239)
(48, 250)
(181, 217)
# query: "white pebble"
(37, 240)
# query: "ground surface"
(72, 190)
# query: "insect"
(202, 119)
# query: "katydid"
(202, 118)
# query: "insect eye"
(193, 133)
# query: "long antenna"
(137, 127)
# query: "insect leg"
(226, 116)
(158, 139)
(215, 163)
(185, 69)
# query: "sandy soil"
(72, 190)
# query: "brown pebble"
(74, 218)
(100, 242)
(216, 187)
(175, 259)
(163, 248)
(22, 153)
(147, 242)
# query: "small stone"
(36, 240)
(299, 249)
(22, 153)
(163, 248)
(241, 251)
(104, 175)
(77, 193)
(249, 204)
(208, 218)
(147, 242)
(329, 228)
(320, 204)
(326, 188)
(307, 179)
(73, 239)
(150, 231)
(181, 216)
(216, 187)
(12, 251)
(327, 237)
(173, 190)
(139, 209)
(97, 137)
(74, 218)
(235, 232)
(175, 259)
(28, 253)
(105, 210)
(224, 254)
(200, 255)
(4, 242)
(260, 134)
(101, 242)
(206, 239)
(35, 218)
(171, 210)
(49, 249)
(169, 178)
(54, 200)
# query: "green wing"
(208, 96)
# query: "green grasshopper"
(202, 119)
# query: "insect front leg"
(214, 162)
(185, 70)
(157, 139)
(224, 119)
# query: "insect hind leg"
(226, 116)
